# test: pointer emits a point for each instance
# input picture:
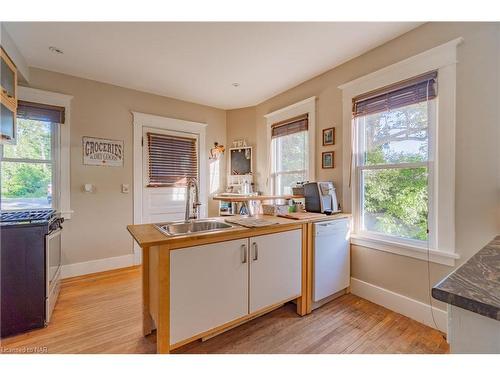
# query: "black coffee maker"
(321, 197)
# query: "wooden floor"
(102, 314)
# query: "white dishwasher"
(332, 266)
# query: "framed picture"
(327, 159)
(329, 137)
(102, 152)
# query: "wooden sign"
(103, 152)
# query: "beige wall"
(97, 229)
(241, 125)
(98, 226)
(477, 143)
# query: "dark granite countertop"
(475, 285)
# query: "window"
(289, 154)
(171, 160)
(437, 163)
(29, 169)
(394, 131)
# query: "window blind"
(290, 126)
(40, 112)
(172, 160)
(411, 91)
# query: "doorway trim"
(142, 120)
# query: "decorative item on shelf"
(329, 137)
(216, 152)
(239, 143)
(274, 209)
(327, 159)
(298, 189)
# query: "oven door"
(53, 258)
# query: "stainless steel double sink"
(178, 228)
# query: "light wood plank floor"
(101, 313)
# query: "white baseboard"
(98, 265)
(409, 307)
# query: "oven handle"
(49, 237)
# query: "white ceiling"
(198, 62)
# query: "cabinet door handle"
(255, 251)
(243, 253)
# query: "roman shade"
(407, 92)
(171, 160)
(40, 112)
(290, 126)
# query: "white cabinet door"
(208, 287)
(275, 268)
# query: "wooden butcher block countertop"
(148, 235)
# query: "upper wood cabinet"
(8, 99)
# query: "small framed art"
(329, 137)
(327, 160)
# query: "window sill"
(66, 215)
(435, 256)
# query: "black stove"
(30, 265)
(27, 217)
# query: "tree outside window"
(393, 171)
(27, 168)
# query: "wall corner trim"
(97, 265)
(401, 304)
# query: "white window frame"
(441, 244)
(306, 106)
(359, 167)
(53, 162)
(276, 157)
(62, 150)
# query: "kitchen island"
(472, 293)
(197, 285)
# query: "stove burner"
(27, 216)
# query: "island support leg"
(147, 321)
(302, 301)
(163, 329)
(309, 272)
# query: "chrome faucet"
(192, 208)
